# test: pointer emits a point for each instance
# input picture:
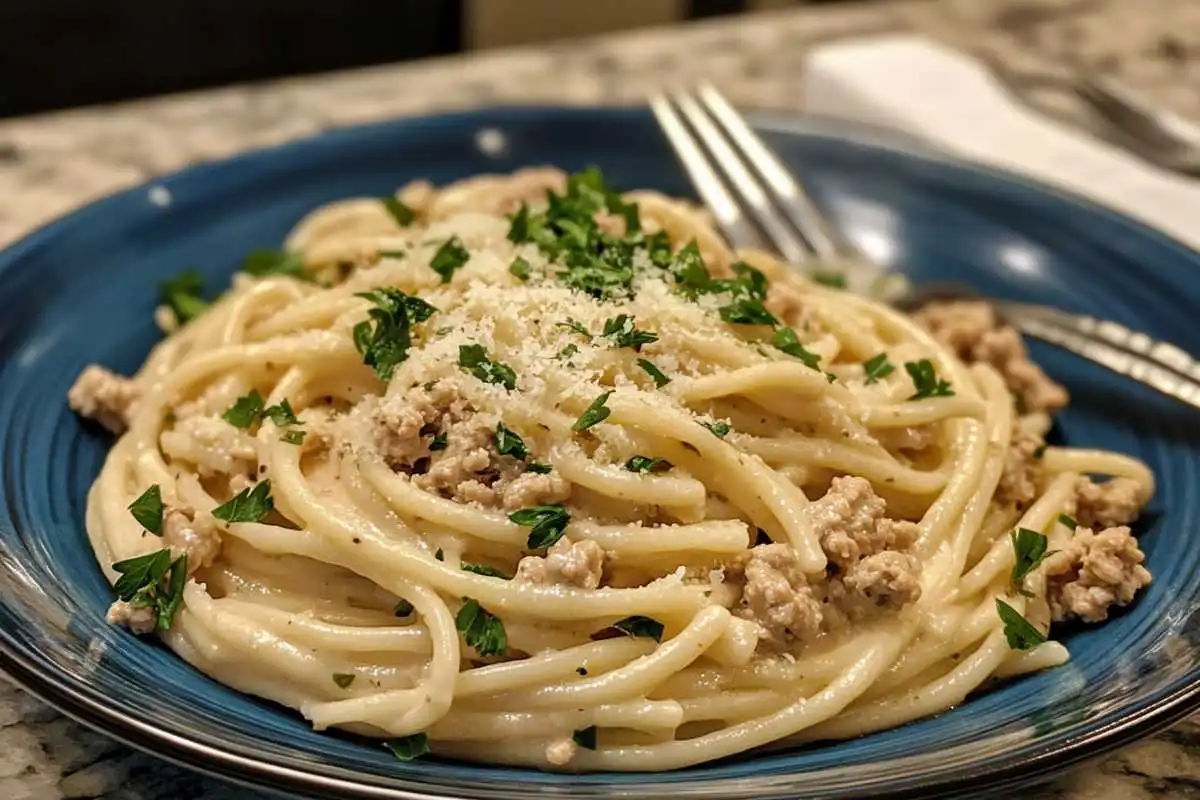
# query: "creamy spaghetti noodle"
(523, 470)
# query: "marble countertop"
(50, 164)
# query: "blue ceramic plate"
(83, 290)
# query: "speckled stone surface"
(53, 163)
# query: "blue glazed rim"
(948, 772)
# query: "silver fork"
(758, 202)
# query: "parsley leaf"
(785, 339)
(274, 262)
(398, 211)
(1068, 521)
(281, 414)
(640, 626)
(449, 258)
(483, 631)
(343, 679)
(140, 572)
(474, 360)
(585, 738)
(575, 326)
(830, 278)
(252, 504)
(182, 295)
(691, 274)
(292, 437)
(660, 378)
(567, 352)
(245, 411)
(624, 334)
(926, 381)
(509, 443)
(1030, 549)
(647, 464)
(385, 346)
(406, 748)
(1017, 630)
(438, 443)
(719, 428)
(520, 269)
(547, 524)
(538, 468)
(141, 583)
(148, 510)
(747, 311)
(595, 413)
(877, 367)
(485, 570)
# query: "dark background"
(62, 53)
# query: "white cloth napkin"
(952, 101)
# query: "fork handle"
(1159, 365)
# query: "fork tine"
(729, 216)
(825, 242)
(752, 193)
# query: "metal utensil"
(758, 202)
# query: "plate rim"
(87, 706)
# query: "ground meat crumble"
(104, 396)
(1106, 505)
(972, 330)
(870, 570)
(1094, 572)
(140, 620)
(567, 563)
(467, 469)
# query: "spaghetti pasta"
(525, 470)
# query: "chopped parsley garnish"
(539, 468)
(647, 464)
(245, 411)
(830, 278)
(1020, 634)
(406, 748)
(691, 275)
(252, 504)
(547, 524)
(438, 442)
(403, 609)
(1068, 521)
(148, 510)
(1040, 452)
(576, 326)
(385, 346)
(585, 738)
(595, 413)
(182, 295)
(153, 581)
(520, 269)
(747, 311)
(660, 378)
(640, 626)
(343, 679)
(292, 437)
(281, 414)
(509, 443)
(877, 367)
(485, 570)
(623, 333)
(1030, 549)
(398, 210)
(926, 381)
(482, 630)
(785, 339)
(567, 351)
(274, 262)
(449, 258)
(719, 428)
(474, 360)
